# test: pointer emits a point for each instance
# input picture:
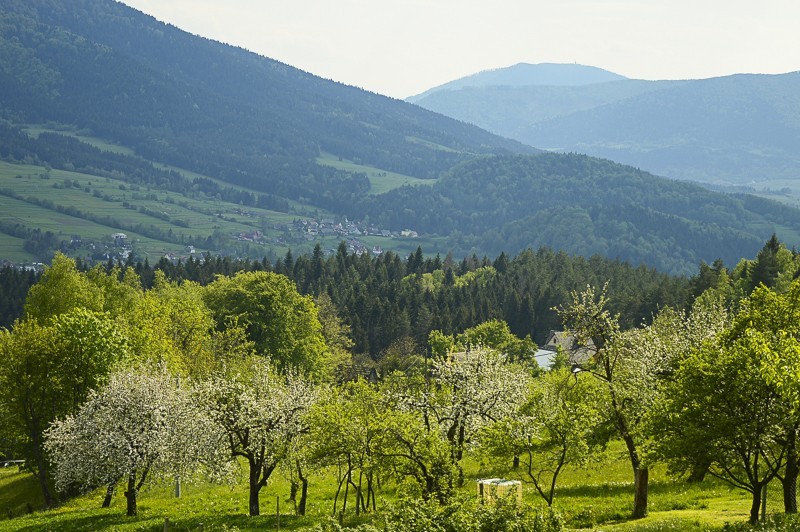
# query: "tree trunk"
(641, 478)
(49, 500)
(41, 470)
(130, 495)
(756, 504)
(255, 507)
(698, 473)
(255, 488)
(301, 506)
(112, 486)
(293, 488)
(789, 480)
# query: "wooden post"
(278, 510)
(166, 524)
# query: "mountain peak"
(526, 74)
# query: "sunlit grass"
(598, 497)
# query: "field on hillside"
(598, 497)
(380, 180)
(159, 222)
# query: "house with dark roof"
(562, 340)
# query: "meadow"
(160, 222)
(597, 497)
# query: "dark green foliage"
(582, 205)
(466, 514)
(767, 266)
(14, 285)
(383, 301)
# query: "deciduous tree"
(257, 413)
(137, 427)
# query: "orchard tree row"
(110, 380)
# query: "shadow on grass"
(19, 496)
(612, 502)
(82, 522)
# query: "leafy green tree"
(47, 371)
(282, 324)
(170, 325)
(769, 322)
(336, 334)
(347, 427)
(718, 406)
(633, 364)
(495, 334)
(492, 334)
(558, 425)
(61, 289)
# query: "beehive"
(492, 489)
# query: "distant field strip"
(380, 180)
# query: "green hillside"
(112, 122)
(586, 206)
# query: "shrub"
(467, 515)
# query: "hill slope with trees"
(188, 144)
(586, 206)
(734, 129)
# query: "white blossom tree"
(137, 427)
(471, 389)
(256, 414)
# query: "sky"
(400, 48)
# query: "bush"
(467, 515)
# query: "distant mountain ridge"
(735, 129)
(526, 74)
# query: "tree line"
(244, 371)
(388, 299)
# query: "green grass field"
(380, 180)
(193, 216)
(598, 497)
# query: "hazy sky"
(403, 47)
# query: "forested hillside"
(739, 129)
(212, 108)
(585, 206)
(114, 123)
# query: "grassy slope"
(380, 180)
(598, 496)
(201, 214)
